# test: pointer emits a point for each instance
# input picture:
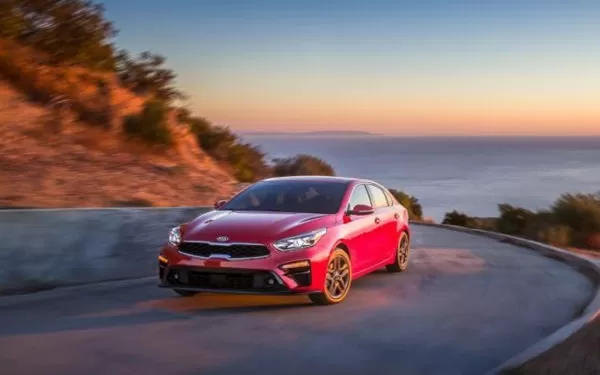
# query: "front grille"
(205, 249)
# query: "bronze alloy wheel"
(337, 280)
(402, 255)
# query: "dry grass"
(29, 73)
(80, 165)
(91, 167)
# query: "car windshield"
(321, 197)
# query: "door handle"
(377, 220)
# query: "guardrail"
(586, 266)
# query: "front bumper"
(224, 280)
(272, 275)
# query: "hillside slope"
(86, 166)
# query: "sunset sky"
(421, 67)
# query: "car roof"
(321, 179)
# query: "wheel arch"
(343, 246)
(406, 229)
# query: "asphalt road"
(465, 305)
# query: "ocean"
(472, 175)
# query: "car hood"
(253, 227)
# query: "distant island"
(322, 133)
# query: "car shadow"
(144, 308)
(207, 304)
(146, 304)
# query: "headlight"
(175, 236)
(302, 241)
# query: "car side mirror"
(219, 204)
(361, 209)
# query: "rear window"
(321, 197)
(379, 197)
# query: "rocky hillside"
(90, 166)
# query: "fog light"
(299, 264)
(176, 276)
(271, 281)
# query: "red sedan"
(291, 235)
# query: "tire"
(338, 279)
(185, 293)
(402, 253)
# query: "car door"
(359, 230)
(384, 236)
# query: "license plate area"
(226, 279)
(220, 280)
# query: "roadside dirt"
(578, 355)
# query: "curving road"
(466, 304)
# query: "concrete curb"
(586, 266)
(42, 249)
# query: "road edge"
(583, 265)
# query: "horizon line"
(361, 133)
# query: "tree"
(12, 23)
(215, 140)
(147, 75)
(559, 235)
(150, 124)
(581, 213)
(247, 162)
(415, 210)
(459, 219)
(199, 126)
(67, 31)
(183, 115)
(302, 165)
(514, 220)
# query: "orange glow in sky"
(427, 67)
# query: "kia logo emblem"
(223, 239)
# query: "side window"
(379, 198)
(390, 199)
(359, 196)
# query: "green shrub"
(485, 223)
(147, 74)
(514, 220)
(592, 241)
(217, 141)
(247, 161)
(302, 165)
(415, 210)
(573, 220)
(581, 213)
(459, 219)
(150, 124)
(557, 235)
(68, 31)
